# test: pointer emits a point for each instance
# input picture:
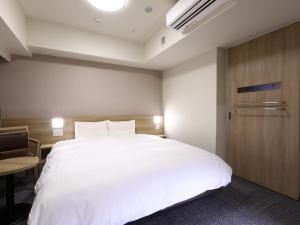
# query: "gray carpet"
(241, 203)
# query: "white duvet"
(115, 180)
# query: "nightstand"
(162, 136)
(44, 151)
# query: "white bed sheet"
(115, 180)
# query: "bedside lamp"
(157, 121)
(58, 126)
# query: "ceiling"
(244, 21)
(132, 22)
(52, 27)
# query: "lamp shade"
(156, 120)
(57, 123)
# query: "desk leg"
(12, 212)
(10, 196)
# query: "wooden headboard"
(41, 129)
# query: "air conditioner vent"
(187, 13)
(163, 40)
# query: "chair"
(15, 142)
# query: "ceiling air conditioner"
(187, 13)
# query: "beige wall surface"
(45, 86)
(191, 100)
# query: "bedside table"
(44, 151)
(162, 136)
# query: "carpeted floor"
(241, 203)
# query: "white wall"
(11, 12)
(153, 45)
(190, 102)
(12, 30)
(44, 86)
(4, 54)
(45, 35)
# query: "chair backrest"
(14, 139)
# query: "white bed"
(117, 179)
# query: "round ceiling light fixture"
(108, 5)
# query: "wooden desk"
(8, 168)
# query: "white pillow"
(121, 127)
(90, 129)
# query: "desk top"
(15, 165)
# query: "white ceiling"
(246, 20)
(80, 14)
(47, 33)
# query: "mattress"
(114, 180)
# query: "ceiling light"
(108, 5)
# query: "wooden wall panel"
(41, 129)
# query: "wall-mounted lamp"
(157, 121)
(58, 126)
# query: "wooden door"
(264, 105)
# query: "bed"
(113, 180)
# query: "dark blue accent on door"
(261, 87)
